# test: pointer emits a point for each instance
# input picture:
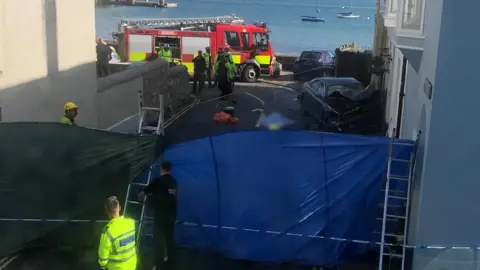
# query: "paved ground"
(196, 122)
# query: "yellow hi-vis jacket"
(208, 61)
(231, 70)
(165, 55)
(66, 121)
(117, 245)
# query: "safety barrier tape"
(339, 239)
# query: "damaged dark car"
(341, 105)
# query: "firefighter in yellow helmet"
(117, 250)
(70, 112)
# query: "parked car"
(341, 105)
(314, 63)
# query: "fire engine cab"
(138, 41)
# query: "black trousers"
(102, 70)
(164, 242)
(198, 79)
(209, 76)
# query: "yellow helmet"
(69, 105)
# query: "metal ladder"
(227, 19)
(135, 187)
(396, 205)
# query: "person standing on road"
(228, 53)
(226, 74)
(218, 56)
(104, 55)
(117, 250)
(208, 60)
(199, 67)
(164, 193)
(231, 71)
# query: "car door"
(239, 44)
(318, 104)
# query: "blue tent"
(272, 196)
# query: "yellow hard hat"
(70, 105)
(113, 49)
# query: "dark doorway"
(401, 94)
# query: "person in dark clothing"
(199, 68)
(208, 59)
(224, 80)
(164, 198)
(104, 55)
(218, 56)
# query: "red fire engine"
(249, 44)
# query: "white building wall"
(47, 57)
(445, 188)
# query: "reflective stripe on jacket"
(165, 55)
(117, 245)
(66, 121)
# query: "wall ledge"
(134, 71)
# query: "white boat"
(170, 5)
(348, 15)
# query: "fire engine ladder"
(396, 205)
(135, 187)
(227, 19)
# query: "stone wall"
(117, 99)
(286, 60)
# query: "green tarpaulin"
(54, 171)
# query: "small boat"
(348, 15)
(170, 5)
(312, 19)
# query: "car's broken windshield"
(352, 91)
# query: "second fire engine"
(249, 44)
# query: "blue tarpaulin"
(267, 196)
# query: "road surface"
(197, 122)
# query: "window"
(393, 6)
(311, 55)
(318, 88)
(261, 40)
(412, 17)
(232, 39)
(245, 41)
